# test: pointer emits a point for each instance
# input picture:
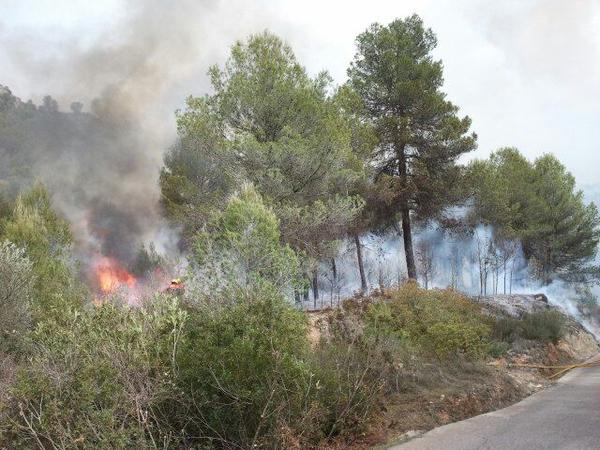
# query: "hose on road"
(562, 369)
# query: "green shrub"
(451, 338)
(97, 379)
(353, 377)
(46, 238)
(243, 368)
(16, 283)
(545, 326)
(498, 349)
(442, 323)
(506, 329)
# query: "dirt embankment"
(441, 395)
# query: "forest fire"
(110, 275)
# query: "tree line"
(378, 154)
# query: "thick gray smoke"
(101, 161)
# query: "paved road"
(565, 416)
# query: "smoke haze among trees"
(282, 191)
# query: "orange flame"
(111, 275)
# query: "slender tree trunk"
(485, 281)
(411, 268)
(334, 270)
(504, 273)
(361, 267)
(305, 289)
(315, 287)
(408, 243)
(334, 280)
(497, 270)
(480, 277)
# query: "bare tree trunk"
(361, 267)
(497, 270)
(305, 289)
(334, 280)
(485, 281)
(334, 270)
(315, 287)
(411, 268)
(512, 269)
(504, 272)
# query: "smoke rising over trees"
(280, 188)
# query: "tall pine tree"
(420, 134)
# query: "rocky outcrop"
(513, 305)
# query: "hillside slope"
(435, 391)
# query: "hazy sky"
(526, 71)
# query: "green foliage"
(270, 124)
(539, 204)
(543, 326)
(506, 329)
(242, 367)
(498, 349)
(198, 173)
(146, 261)
(97, 379)
(314, 229)
(419, 132)
(46, 239)
(420, 135)
(242, 245)
(16, 282)
(443, 323)
(353, 376)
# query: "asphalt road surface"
(564, 416)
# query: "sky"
(526, 71)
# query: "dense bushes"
(96, 379)
(243, 368)
(235, 372)
(252, 380)
(16, 282)
(545, 326)
(46, 238)
(443, 323)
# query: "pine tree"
(420, 134)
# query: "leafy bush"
(547, 326)
(353, 377)
(506, 329)
(544, 326)
(97, 379)
(46, 238)
(243, 368)
(242, 245)
(498, 349)
(451, 338)
(442, 323)
(16, 282)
